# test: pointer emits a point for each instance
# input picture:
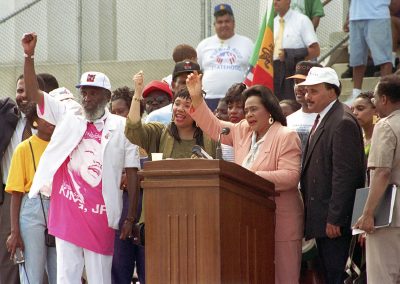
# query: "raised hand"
(28, 43)
(193, 84)
(138, 80)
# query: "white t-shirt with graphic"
(302, 123)
(223, 62)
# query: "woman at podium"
(175, 140)
(264, 145)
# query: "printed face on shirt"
(180, 112)
(364, 111)
(224, 26)
(85, 163)
(256, 115)
(318, 97)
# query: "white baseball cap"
(61, 94)
(318, 75)
(95, 79)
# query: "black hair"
(126, 94)
(295, 106)
(269, 101)
(337, 89)
(234, 93)
(389, 86)
(31, 114)
(172, 128)
(50, 82)
(39, 79)
(367, 95)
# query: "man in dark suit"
(332, 170)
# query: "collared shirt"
(298, 32)
(254, 149)
(324, 112)
(15, 140)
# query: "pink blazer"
(278, 161)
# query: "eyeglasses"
(157, 100)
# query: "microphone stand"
(218, 149)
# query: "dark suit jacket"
(9, 116)
(333, 168)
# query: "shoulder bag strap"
(40, 195)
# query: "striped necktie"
(27, 132)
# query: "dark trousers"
(283, 88)
(333, 254)
(8, 271)
(126, 254)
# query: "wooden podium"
(207, 221)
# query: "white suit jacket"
(117, 153)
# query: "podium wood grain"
(207, 221)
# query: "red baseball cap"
(156, 86)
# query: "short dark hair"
(295, 106)
(337, 89)
(126, 94)
(234, 93)
(367, 95)
(39, 79)
(389, 86)
(184, 52)
(50, 82)
(172, 128)
(269, 101)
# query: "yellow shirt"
(21, 172)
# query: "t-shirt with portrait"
(77, 196)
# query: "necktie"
(313, 128)
(278, 42)
(27, 132)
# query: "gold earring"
(34, 124)
(271, 120)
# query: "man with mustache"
(81, 169)
(14, 129)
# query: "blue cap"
(223, 7)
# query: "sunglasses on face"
(157, 100)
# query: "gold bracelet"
(137, 99)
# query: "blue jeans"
(126, 254)
(38, 257)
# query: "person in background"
(126, 253)
(382, 244)
(85, 208)
(181, 70)
(369, 27)
(14, 129)
(294, 40)
(175, 140)
(235, 103)
(332, 169)
(289, 106)
(180, 53)
(263, 145)
(313, 9)
(365, 112)
(29, 217)
(156, 95)
(224, 57)
(221, 112)
(302, 120)
(50, 82)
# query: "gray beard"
(95, 114)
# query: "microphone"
(218, 150)
(199, 152)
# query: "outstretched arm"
(193, 84)
(32, 90)
(134, 111)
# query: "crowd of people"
(71, 200)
